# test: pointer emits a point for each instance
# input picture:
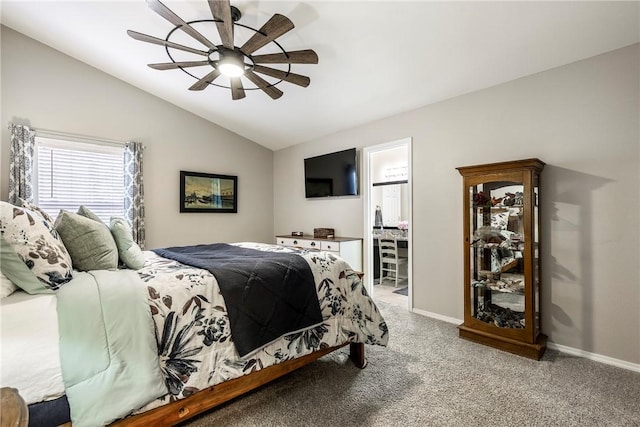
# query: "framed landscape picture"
(205, 192)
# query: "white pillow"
(6, 286)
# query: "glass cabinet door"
(497, 244)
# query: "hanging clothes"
(378, 217)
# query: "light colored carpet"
(430, 377)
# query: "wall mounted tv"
(333, 174)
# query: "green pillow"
(129, 251)
(85, 212)
(17, 271)
(89, 242)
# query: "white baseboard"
(595, 357)
(437, 316)
(561, 348)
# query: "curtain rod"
(52, 133)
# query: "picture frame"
(206, 192)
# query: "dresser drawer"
(285, 241)
(350, 250)
(310, 244)
(330, 246)
(298, 242)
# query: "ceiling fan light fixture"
(231, 65)
(230, 69)
(234, 62)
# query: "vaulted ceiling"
(376, 58)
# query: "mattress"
(31, 363)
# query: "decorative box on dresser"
(501, 256)
(347, 248)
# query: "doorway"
(388, 215)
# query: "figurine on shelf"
(519, 199)
(509, 199)
(513, 199)
(481, 200)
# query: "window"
(70, 174)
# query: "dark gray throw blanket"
(268, 294)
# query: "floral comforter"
(195, 345)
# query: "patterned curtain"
(134, 190)
(23, 143)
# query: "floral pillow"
(37, 243)
(36, 209)
(14, 268)
(6, 286)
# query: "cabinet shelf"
(497, 245)
(498, 207)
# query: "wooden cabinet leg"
(356, 353)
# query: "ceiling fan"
(227, 59)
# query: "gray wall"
(583, 121)
(46, 89)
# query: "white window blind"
(71, 173)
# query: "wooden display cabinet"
(501, 256)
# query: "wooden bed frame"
(181, 410)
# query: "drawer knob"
(313, 243)
(295, 242)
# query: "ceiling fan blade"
(271, 30)
(150, 39)
(296, 79)
(204, 82)
(167, 14)
(306, 56)
(221, 11)
(272, 91)
(174, 65)
(237, 91)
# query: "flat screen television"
(331, 175)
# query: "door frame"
(368, 211)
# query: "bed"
(187, 360)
